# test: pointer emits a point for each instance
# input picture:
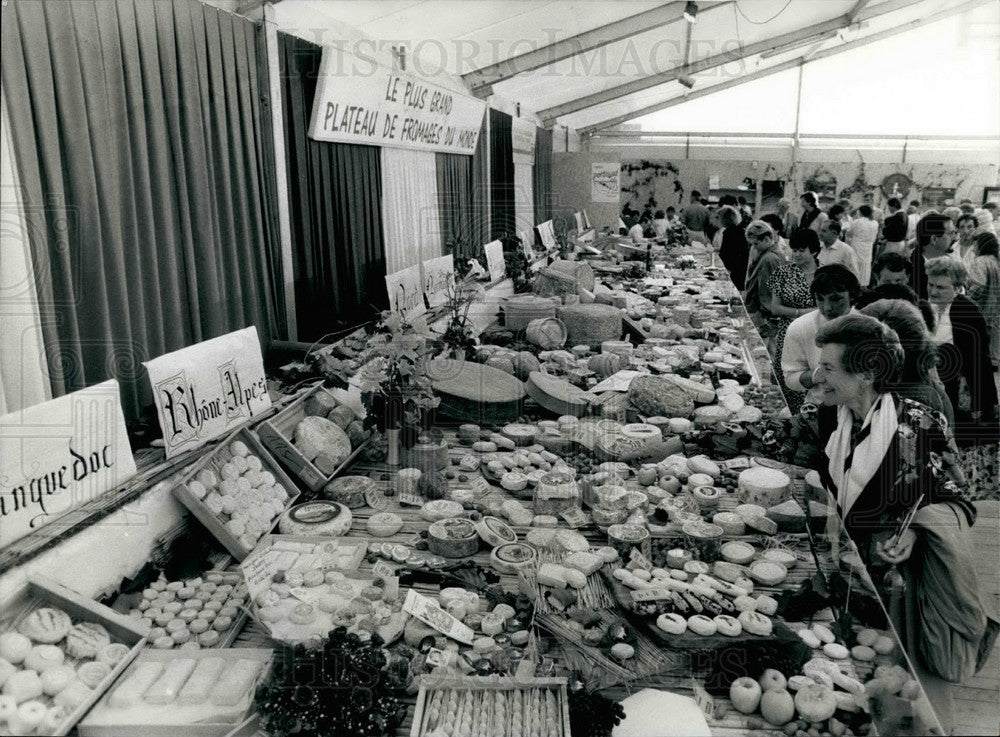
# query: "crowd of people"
(884, 332)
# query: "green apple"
(777, 706)
(745, 694)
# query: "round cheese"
(349, 490)
(315, 436)
(495, 532)
(766, 487)
(440, 509)
(320, 517)
(453, 538)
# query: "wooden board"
(44, 591)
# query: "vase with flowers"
(395, 389)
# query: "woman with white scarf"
(886, 456)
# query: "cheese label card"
(641, 595)
(439, 277)
(204, 390)
(412, 500)
(428, 612)
(480, 486)
(383, 569)
(406, 292)
(59, 455)
(494, 261)
(705, 700)
(575, 517)
(376, 499)
(639, 559)
(736, 463)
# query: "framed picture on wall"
(991, 194)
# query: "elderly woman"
(962, 337)
(918, 380)
(885, 456)
(733, 249)
(984, 288)
(764, 260)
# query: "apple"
(772, 679)
(745, 695)
(670, 484)
(646, 476)
(777, 706)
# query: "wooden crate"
(42, 591)
(481, 685)
(214, 461)
(276, 434)
(174, 720)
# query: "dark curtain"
(138, 133)
(501, 175)
(454, 180)
(480, 192)
(335, 196)
(542, 175)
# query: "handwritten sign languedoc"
(60, 454)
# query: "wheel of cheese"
(591, 324)
(453, 538)
(320, 517)
(512, 557)
(710, 416)
(440, 509)
(521, 434)
(349, 490)
(557, 395)
(384, 524)
(785, 558)
(656, 395)
(495, 532)
(640, 431)
(618, 347)
(766, 487)
(672, 624)
(738, 552)
(474, 392)
(768, 572)
(730, 522)
(317, 436)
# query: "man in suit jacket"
(935, 234)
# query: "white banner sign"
(60, 454)
(358, 101)
(523, 138)
(205, 389)
(494, 260)
(439, 276)
(605, 184)
(406, 292)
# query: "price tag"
(734, 464)
(435, 657)
(412, 500)
(376, 499)
(480, 487)
(641, 595)
(308, 595)
(639, 559)
(383, 569)
(575, 517)
(428, 612)
(469, 462)
(705, 700)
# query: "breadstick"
(164, 691)
(205, 674)
(138, 681)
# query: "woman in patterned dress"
(791, 298)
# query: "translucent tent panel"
(762, 106)
(943, 79)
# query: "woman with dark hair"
(812, 216)
(885, 457)
(984, 288)
(919, 378)
(734, 251)
(791, 298)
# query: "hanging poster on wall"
(204, 390)
(406, 292)
(494, 260)
(523, 139)
(59, 455)
(605, 182)
(439, 277)
(358, 101)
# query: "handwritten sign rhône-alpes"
(361, 102)
(203, 391)
(60, 454)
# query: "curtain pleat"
(543, 175)
(502, 200)
(524, 207)
(334, 196)
(137, 135)
(454, 182)
(480, 191)
(410, 208)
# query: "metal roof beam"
(481, 81)
(856, 10)
(791, 39)
(790, 64)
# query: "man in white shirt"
(835, 289)
(834, 250)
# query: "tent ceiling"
(588, 65)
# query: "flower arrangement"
(459, 338)
(395, 389)
(344, 687)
